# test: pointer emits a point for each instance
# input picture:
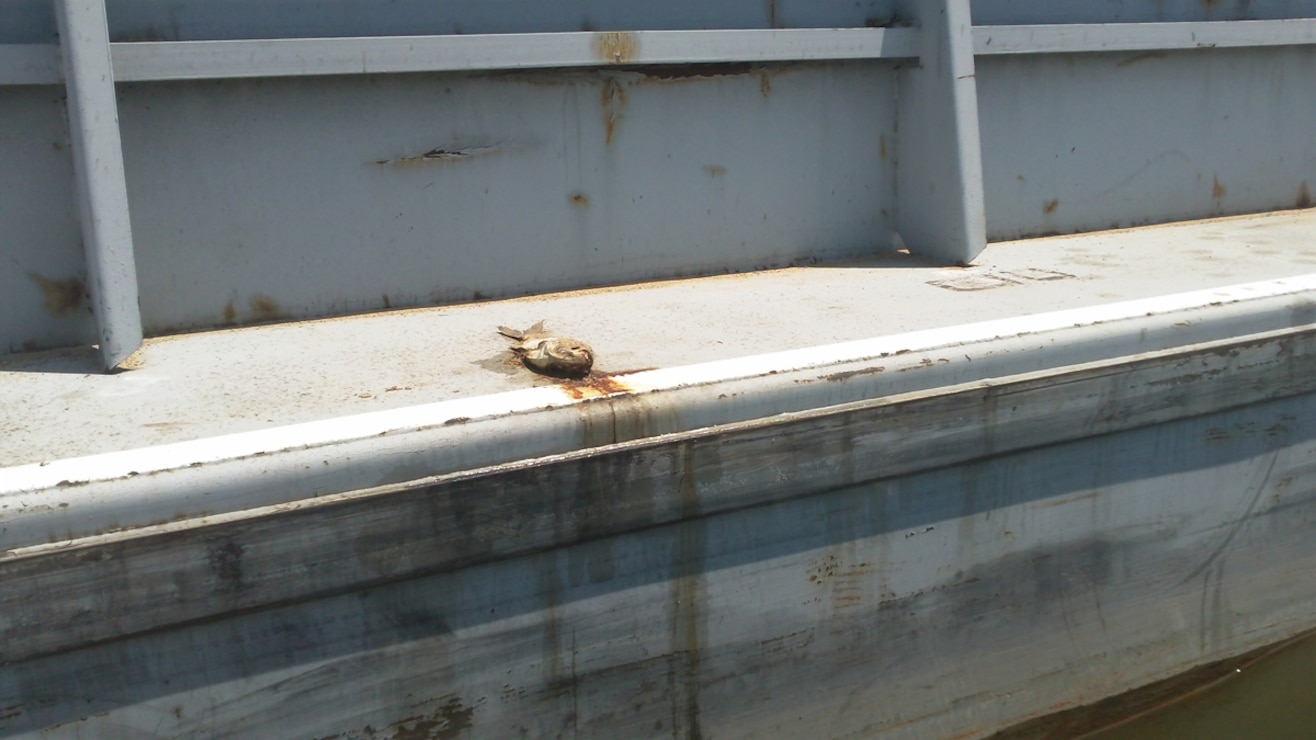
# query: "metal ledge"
(77, 497)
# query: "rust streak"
(264, 308)
(1218, 191)
(613, 100)
(616, 47)
(62, 297)
(1050, 206)
(1304, 196)
(595, 385)
(1141, 58)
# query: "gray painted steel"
(285, 213)
(954, 549)
(939, 177)
(98, 164)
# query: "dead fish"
(548, 354)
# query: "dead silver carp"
(545, 353)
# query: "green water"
(1270, 698)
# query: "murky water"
(1273, 697)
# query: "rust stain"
(694, 71)
(264, 308)
(1070, 500)
(62, 297)
(616, 47)
(848, 374)
(1050, 206)
(448, 722)
(613, 100)
(230, 313)
(881, 146)
(1218, 191)
(1141, 58)
(579, 199)
(715, 170)
(1304, 196)
(594, 385)
(386, 301)
(772, 13)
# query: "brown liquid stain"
(230, 313)
(62, 297)
(1218, 191)
(579, 199)
(1304, 197)
(1050, 206)
(264, 308)
(594, 386)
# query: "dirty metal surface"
(1098, 119)
(448, 522)
(947, 603)
(272, 376)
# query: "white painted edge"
(1090, 37)
(74, 497)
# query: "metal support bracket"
(939, 176)
(98, 165)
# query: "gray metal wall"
(943, 603)
(286, 197)
(1082, 142)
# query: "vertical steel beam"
(939, 189)
(101, 188)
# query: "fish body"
(546, 353)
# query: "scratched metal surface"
(948, 603)
(1079, 142)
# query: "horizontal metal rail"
(29, 64)
(194, 60)
(1094, 37)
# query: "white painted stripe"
(966, 340)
